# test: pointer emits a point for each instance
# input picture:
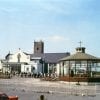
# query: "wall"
(25, 67)
(23, 57)
(0, 65)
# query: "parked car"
(4, 96)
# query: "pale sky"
(61, 24)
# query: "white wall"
(57, 67)
(36, 65)
(0, 65)
(23, 57)
(25, 67)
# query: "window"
(27, 69)
(28, 57)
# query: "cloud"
(53, 38)
(57, 38)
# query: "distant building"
(79, 64)
(38, 62)
(17, 62)
(38, 47)
(49, 61)
(0, 66)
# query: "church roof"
(8, 55)
(80, 56)
(50, 57)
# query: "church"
(37, 62)
(76, 67)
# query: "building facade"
(79, 64)
(38, 47)
(37, 62)
(17, 62)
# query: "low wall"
(80, 79)
(4, 76)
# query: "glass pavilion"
(79, 64)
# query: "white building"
(21, 62)
(37, 62)
(0, 66)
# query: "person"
(41, 97)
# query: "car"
(4, 96)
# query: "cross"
(80, 43)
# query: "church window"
(28, 57)
(27, 69)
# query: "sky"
(61, 24)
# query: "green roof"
(80, 56)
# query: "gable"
(19, 57)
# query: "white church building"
(20, 62)
(37, 62)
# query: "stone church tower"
(38, 47)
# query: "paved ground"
(31, 89)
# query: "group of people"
(31, 75)
(35, 75)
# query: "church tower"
(38, 47)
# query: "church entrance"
(15, 68)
